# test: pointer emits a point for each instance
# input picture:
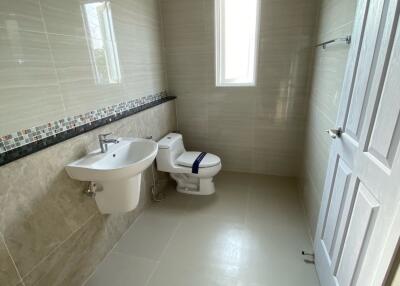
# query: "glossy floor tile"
(249, 233)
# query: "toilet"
(193, 171)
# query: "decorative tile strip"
(28, 141)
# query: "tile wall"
(55, 60)
(56, 63)
(50, 233)
(335, 20)
(254, 129)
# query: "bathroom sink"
(122, 160)
(116, 174)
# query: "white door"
(359, 221)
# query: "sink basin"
(123, 160)
(116, 173)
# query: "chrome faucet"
(104, 141)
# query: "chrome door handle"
(335, 133)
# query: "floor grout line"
(152, 273)
(114, 246)
(12, 260)
(187, 211)
(165, 250)
(173, 235)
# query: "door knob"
(334, 133)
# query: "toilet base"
(188, 184)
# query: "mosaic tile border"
(27, 141)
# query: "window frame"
(219, 48)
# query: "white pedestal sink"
(117, 172)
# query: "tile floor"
(250, 233)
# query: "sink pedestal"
(119, 195)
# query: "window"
(101, 39)
(236, 30)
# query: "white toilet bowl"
(193, 174)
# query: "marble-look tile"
(87, 246)
(76, 74)
(142, 79)
(54, 233)
(19, 45)
(46, 61)
(26, 73)
(63, 17)
(83, 250)
(26, 76)
(8, 274)
(46, 179)
(70, 51)
(51, 206)
(21, 15)
(35, 236)
(68, 197)
(46, 98)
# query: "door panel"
(361, 225)
(379, 160)
(334, 214)
(357, 230)
(358, 95)
(384, 140)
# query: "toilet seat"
(187, 159)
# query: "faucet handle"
(103, 136)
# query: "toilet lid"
(187, 159)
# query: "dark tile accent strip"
(41, 144)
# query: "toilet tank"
(170, 147)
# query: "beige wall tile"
(83, 249)
(46, 68)
(28, 82)
(21, 15)
(230, 118)
(63, 17)
(55, 234)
